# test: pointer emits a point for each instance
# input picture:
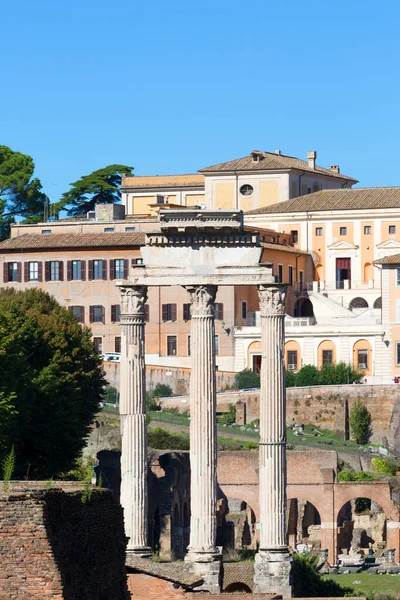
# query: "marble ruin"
(202, 251)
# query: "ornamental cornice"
(202, 300)
(133, 299)
(272, 300)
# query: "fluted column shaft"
(272, 420)
(133, 417)
(203, 442)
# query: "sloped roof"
(388, 260)
(337, 199)
(34, 241)
(163, 181)
(270, 161)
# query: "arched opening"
(358, 303)
(362, 356)
(237, 529)
(292, 356)
(378, 303)
(238, 586)
(303, 525)
(368, 272)
(254, 356)
(326, 354)
(319, 272)
(303, 308)
(361, 529)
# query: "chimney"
(256, 155)
(335, 169)
(311, 156)
(278, 152)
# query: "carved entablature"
(133, 299)
(202, 300)
(272, 300)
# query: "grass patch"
(370, 584)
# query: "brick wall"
(54, 546)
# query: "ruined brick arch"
(381, 495)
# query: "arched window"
(378, 303)
(358, 303)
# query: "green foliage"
(20, 193)
(229, 417)
(309, 583)
(348, 475)
(162, 390)
(161, 439)
(290, 379)
(247, 379)
(52, 378)
(360, 423)
(308, 375)
(111, 395)
(151, 402)
(384, 466)
(100, 187)
(7, 467)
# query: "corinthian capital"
(133, 299)
(272, 300)
(202, 299)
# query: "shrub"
(309, 583)
(162, 390)
(290, 379)
(348, 475)
(308, 375)
(247, 379)
(161, 439)
(360, 423)
(384, 466)
(111, 395)
(151, 402)
(229, 417)
(339, 374)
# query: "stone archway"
(361, 526)
(303, 308)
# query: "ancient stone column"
(273, 564)
(202, 551)
(133, 418)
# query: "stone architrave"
(202, 552)
(133, 418)
(272, 572)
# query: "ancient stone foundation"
(54, 546)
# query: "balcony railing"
(329, 286)
(253, 320)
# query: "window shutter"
(19, 272)
(165, 312)
(82, 315)
(103, 314)
(69, 270)
(220, 311)
(26, 271)
(91, 314)
(83, 270)
(112, 269)
(5, 272)
(126, 268)
(40, 271)
(47, 270)
(113, 313)
(173, 312)
(186, 312)
(90, 270)
(61, 270)
(104, 268)
(147, 313)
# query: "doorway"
(343, 272)
(256, 363)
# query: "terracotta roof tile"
(269, 161)
(163, 181)
(388, 260)
(337, 199)
(73, 240)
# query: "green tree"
(20, 193)
(100, 187)
(360, 423)
(308, 375)
(162, 390)
(52, 378)
(247, 379)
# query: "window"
(109, 229)
(244, 309)
(117, 344)
(46, 231)
(186, 312)
(308, 190)
(169, 312)
(219, 311)
(160, 199)
(362, 359)
(54, 270)
(327, 357)
(78, 312)
(343, 231)
(188, 346)
(98, 345)
(171, 345)
(115, 313)
(398, 353)
(294, 236)
(127, 229)
(97, 314)
(118, 268)
(12, 271)
(392, 228)
(318, 231)
(216, 345)
(137, 261)
(147, 313)
(367, 229)
(280, 273)
(246, 190)
(33, 271)
(97, 269)
(301, 280)
(76, 269)
(398, 276)
(290, 275)
(292, 360)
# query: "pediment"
(389, 245)
(342, 245)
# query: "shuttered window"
(115, 313)
(186, 312)
(53, 270)
(169, 312)
(147, 313)
(219, 311)
(98, 345)
(171, 345)
(76, 270)
(78, 312)
(96, 314)
(33, 271)
(12, 272)
(118, 268)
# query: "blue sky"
(171, 87)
